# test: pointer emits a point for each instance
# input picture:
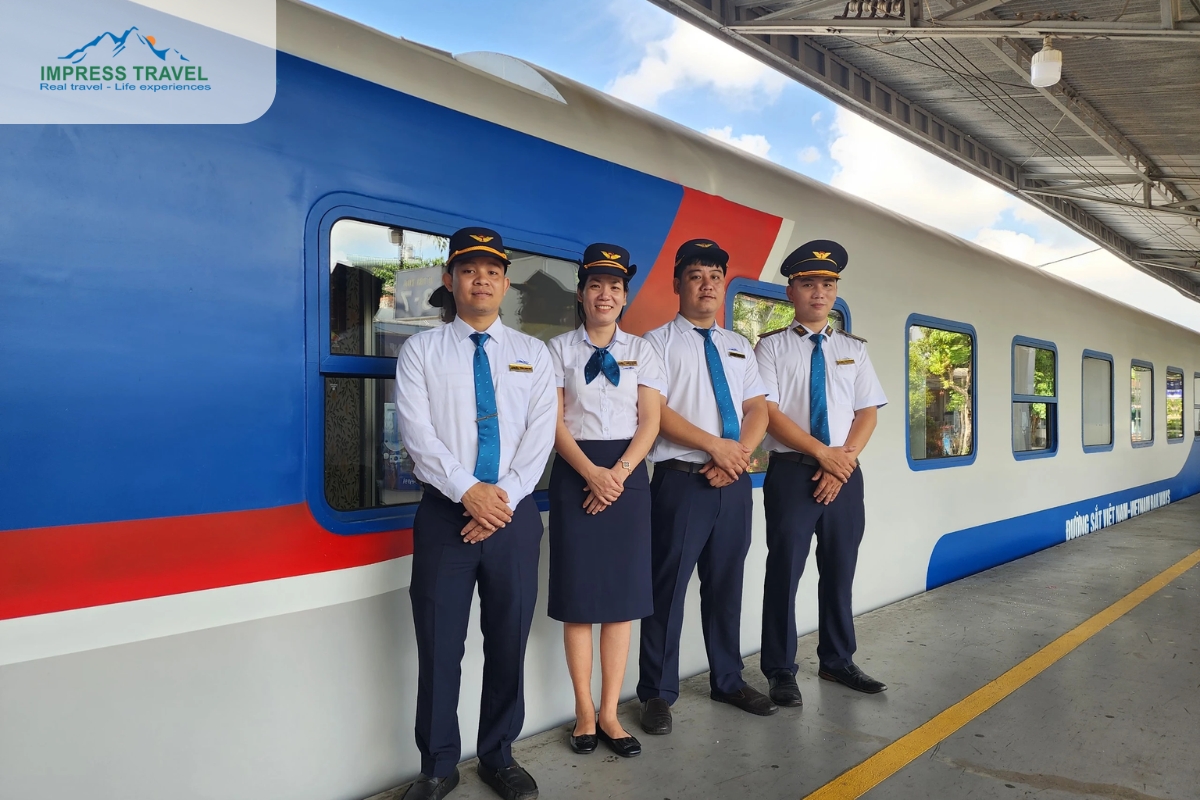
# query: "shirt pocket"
(841, 384)
(514, 387)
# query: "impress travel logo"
(168, 62)
(133, 61)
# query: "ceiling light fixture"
(1046, 67)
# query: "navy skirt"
(599, 564)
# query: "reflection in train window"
(1035, 398)
(1196, 403)
(380, 280)
(1097, 402)
(1174, 405)
(1141, 403)
(941, 392)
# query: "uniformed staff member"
(610, 387)
(476, 410)
(826, 400)
(714, 416)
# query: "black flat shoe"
(511, 782)
(852, 677)
(625, 747)
(747, 699)
(785, 692)
(584, 743)
(426, 788)
(656, 717)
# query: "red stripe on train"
(75, 566)
(746, 234)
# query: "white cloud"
(690, 58)
(816, 118)
(754, 143)
(808, 155)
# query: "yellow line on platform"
(860, 779)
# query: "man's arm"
(861, 429)
(726, 454)
(837, 461)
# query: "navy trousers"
(793, 516)
(694, 525)
(445, 572)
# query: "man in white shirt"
(477, 412)
(714, 417)
(825, 399)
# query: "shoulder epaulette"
(762, 336)
(851, 335)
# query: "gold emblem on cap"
(613, 256)
(703, 244)
(822, 256)
(479, 238)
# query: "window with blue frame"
(753, 308)
(1034, 398)
(1097, 402)
(377, 295)
(1196, 403)
(940, 361)
(1141, 403)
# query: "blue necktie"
(818, 408)
(730, 427)
(602, 361)
(487, 464)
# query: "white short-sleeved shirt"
(435, 398)
(785, 359)
(599, 410)
(689, 386)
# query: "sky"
(640, 53)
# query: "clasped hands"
(727, 460)
(603, 488)
(837, 464)
(487, 506)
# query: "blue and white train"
(205, 512)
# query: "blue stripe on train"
(153, 325)
(962, 553)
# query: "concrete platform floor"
(1119, 717)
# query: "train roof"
(590, 121)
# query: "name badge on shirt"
(736, 354)
(520, 367)
(624, 364)
(845, 361)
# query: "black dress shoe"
(656, 716)
(625, 747)
(747, 699)
(584, 743)
(511, 782)
(785, 692)
(426, 788)
(853, 677)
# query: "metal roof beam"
(1113, 201)
(975, 28)
(971, 9)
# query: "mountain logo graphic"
(130, 42)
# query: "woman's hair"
(583, 279)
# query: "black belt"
(679, 466)
(799, 458)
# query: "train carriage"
(204, 526)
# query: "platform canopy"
(1112, 149)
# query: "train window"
(380, 278)
(1097, 402)
(1196, 403)
(1174, 405)
(1035, 398)
(1141, 403)
(764, 308)
(941, 392)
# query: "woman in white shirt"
(610, 389)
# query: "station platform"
(1116, 716)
